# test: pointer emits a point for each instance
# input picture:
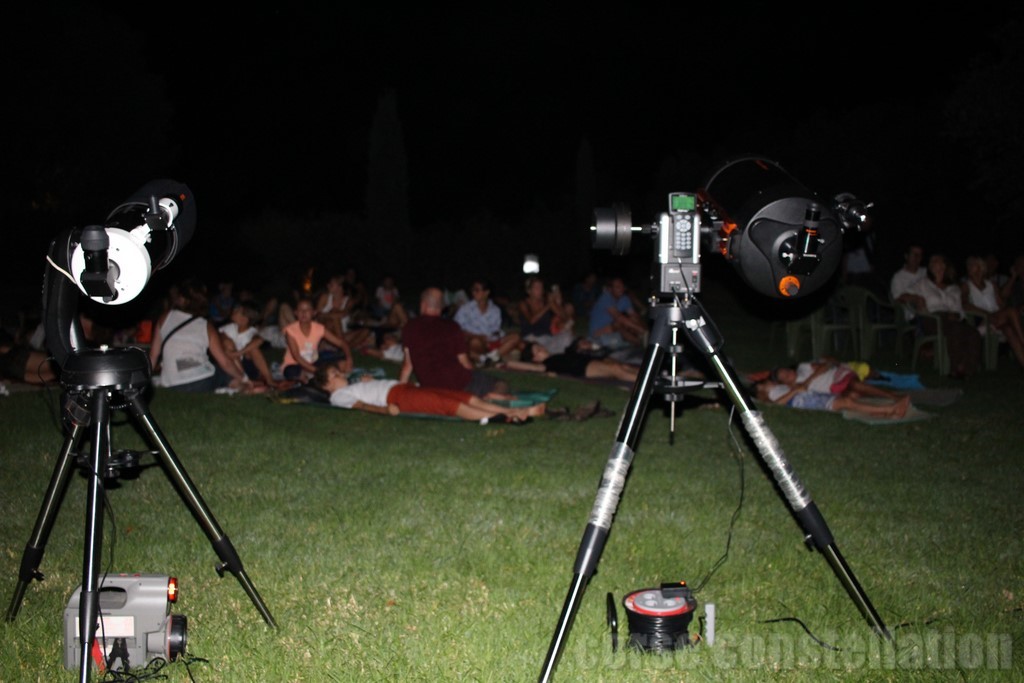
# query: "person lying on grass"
(829, 376)
(799, 397)
(535, 358)
(22, 363)
(391, 397)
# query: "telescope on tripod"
(111, 264)
(785, 242)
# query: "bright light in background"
(531, 264)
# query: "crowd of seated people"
(228, 341)
(540, 329)
(948, 297)
(981, 294)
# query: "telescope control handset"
(678, 261)
(676, 268)
(782, 239)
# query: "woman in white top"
(941, 296)
(980, 294)
(187, 350)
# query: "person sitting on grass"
(614, 322)
(243, 343)
(436, 352)
(187, 350)
(481, 322)
(302, 355)
(387, 309)
(536, 358)
(546, 317)
(391, 397)
(799, 397)
(390, 348)
(336, 309)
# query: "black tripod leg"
(612, 482)
(221, 544)
(799, 500)
(88, 609)
(36, 546)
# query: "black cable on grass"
(39, 368)
(815, 638)
(188, 659)
(113, 529)
(926, 622)
(153, 671)
(51, 407)
(150, 672)
(739, 457)
(738, 454)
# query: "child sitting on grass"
(243, 344)
(391, 397)
(390, 349)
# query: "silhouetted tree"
(387, 188)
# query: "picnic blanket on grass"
(935, 398)
(914, 414)
(525, 399)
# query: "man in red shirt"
(436, 352)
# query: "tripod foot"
(233, 563)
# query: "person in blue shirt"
(585, 293)
(614, 323)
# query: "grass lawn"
(391, 549)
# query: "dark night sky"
(494, 102)
(271, 108)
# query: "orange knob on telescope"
(789, 285)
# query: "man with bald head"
(436, 353)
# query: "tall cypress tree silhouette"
(387, 188)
